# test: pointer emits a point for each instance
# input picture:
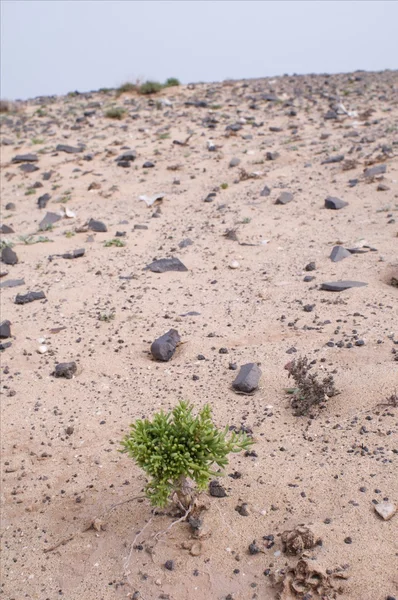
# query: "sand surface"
(60, 465)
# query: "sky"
(56, 46)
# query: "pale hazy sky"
(57, 46)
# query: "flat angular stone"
(10, 283)
(49, 219)
(5, 329)
(69, 149)
(164, 347)
(375, 171)
(340, 286)
(28, 168)
(339, 253)
(6, 229)
(247, 378)
(29, 297)
(21, 158)
(75, 254)
(8, 256)
(333, 159)
(166, 264)
(97, 226)
(386, 510)
(265, 192)
(335, 203)
(66, 370)
(284, 198)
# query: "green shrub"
(150, 87)
(116, 113)
(171, 82)
(126, 87)
(177, 446)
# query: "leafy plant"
(224, 186)
(30, 239)
(117, 112)
(178, 446)
(150, 87)
(309, 391)
(37, 141)
(126, 87)
(114, 242)
(107, 317)
(172, 82)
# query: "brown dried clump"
(309, 391)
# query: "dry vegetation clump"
(309, 390)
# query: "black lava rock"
(8, 256)
(247, 378)
(216, 489)
(29, 297)
(164, 347)
(66, 370)
(5, 330)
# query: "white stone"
(234, 264)
(42, 349)
(386, 510)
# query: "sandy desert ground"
(247, 291)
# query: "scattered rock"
(10, 206)
(97, 226)
(28, 168)
(66, 370)
(5, 330)
(8, 256)
(247, 378)
(335, 203)
(265, 192)
(284, 198)
(69, 149)
(164, 347)
(75, 254)
(339, 253)
(166, 264)
(49, 220)
(386, 510)
(216, 489)
(25, 158)
(340, 286)
(333, 159)
(375, 171)
(10, 283)
(42, 201)
(29, 297)
(234, 162)
(6, 229)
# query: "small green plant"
(117, 112)
(30, 191)
(126, 87)
(150, 87)
(115, 242)
(69, 234)
(37, 141)
(224, 186)
(41, 112)
(30, 239)
(164, 136)
(176, 447)
(172, 82)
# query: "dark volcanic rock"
(339, 253)
(375, 171)
(22, 158)
(148, 165)
(340, 286)
(335, 203)
(6, 229)
(129, 156)
(29, 297)
(247, 378)
(43, 200)
(69, 149)
(166, 264)
(284, 198)
(97, 226)
(10, 206)
(8, 256)
(216, 489)
(265, 191)
(66, 370)
(28, 168)
(5, 329)
(234, 162)
(164, 347)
